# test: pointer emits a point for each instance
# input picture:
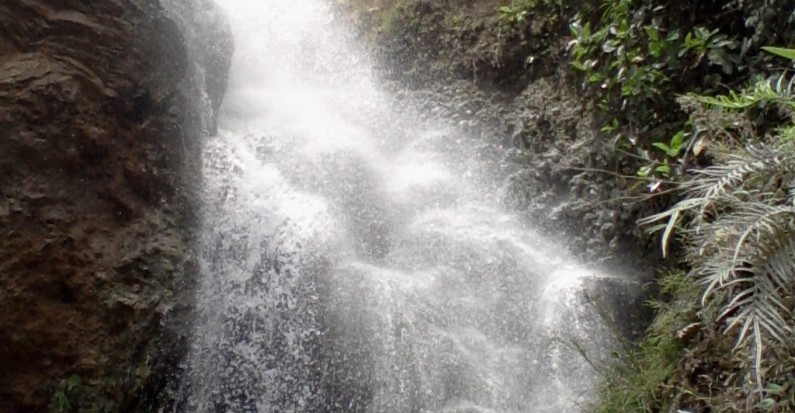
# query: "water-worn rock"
(99, 148)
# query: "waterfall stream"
(356, 253)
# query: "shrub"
(737, 216)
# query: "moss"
(124, 391)
(642, 375)
(687, 364)
(374, 18)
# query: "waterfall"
(356, 252)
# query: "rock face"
(100, 127)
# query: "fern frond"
(760, 310)
(758, 304)
(716, 272)
(717, 180)
(760, 221)
(739, 217)
(777, 90)
(768, 281)
(777, 258)
(714, 183)
(747, 240)
(673, 215)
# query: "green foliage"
(517, 16)
(628, 60)
(722, 338)
(643, 376)
(628, 56)
(780, 51)
(521, 9)
(124, 391)
(778, 92)
(635, 56)
(514, 14)
(686, 365)
(672, 151)
(674, 147)
(65, 399)
(737, 218)
(777, 398)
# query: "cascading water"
(356, 253)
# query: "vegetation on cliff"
(731, 162)
(723, 340)
(688, 104)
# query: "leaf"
(72, 382)
(595, 78)
(780, 51)
(579, 66)
(668, 230)
(677, 140)
(665, 148)
(773, 388)
(63, 401)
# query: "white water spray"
(358, 260)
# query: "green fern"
(710, 186)
(776, 91)
(737, 221)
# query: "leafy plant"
(674, 148)
(517, 14)
(64, 398)
(737, 218)
(713, 45)
(635, 56)
(514, 14)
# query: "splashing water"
(355, 259)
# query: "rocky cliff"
(100, 133)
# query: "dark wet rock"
(611, 297)
(99, 157)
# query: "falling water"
(357, 257)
